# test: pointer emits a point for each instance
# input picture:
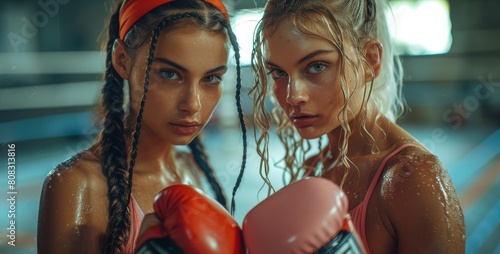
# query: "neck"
(153, 154)
(361, 140)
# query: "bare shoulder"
(73, 207)
(80, 167)
(422, 204)
(81, 173)
(415, 168)
(413, 163)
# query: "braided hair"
(111, 141)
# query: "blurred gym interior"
(51, 73)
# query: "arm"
(71, 218)
(424, 208)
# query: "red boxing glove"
(191, 222)
(308, 216)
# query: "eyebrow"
(313, 54)
(306, 57)
(169, 62)
(220, 68)
(183, 69)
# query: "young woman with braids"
(335, 77)
(173, 55)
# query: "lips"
(303, 120)
(186, 127)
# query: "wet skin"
(185, 87)
(414, 207)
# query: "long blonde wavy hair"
(337, 21)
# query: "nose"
(190, 102)
(296, 92)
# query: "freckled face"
(305, 71)
(184, 83)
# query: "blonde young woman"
(330, 67)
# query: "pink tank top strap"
(381, 169)
(136, 216)
(358, 214)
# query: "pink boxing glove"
(308, 216)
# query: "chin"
(184, 140)
(309, 134)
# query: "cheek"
(159, 103)
(211, 98)
(355, 92)
(326, 89)
(280, 93)
(135, 96)
(136, 86)
(357, 99)
(328, 80)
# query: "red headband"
(133, 10)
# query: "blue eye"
(212, 79)
(169, 74)
(277, 73)
(316, 68)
